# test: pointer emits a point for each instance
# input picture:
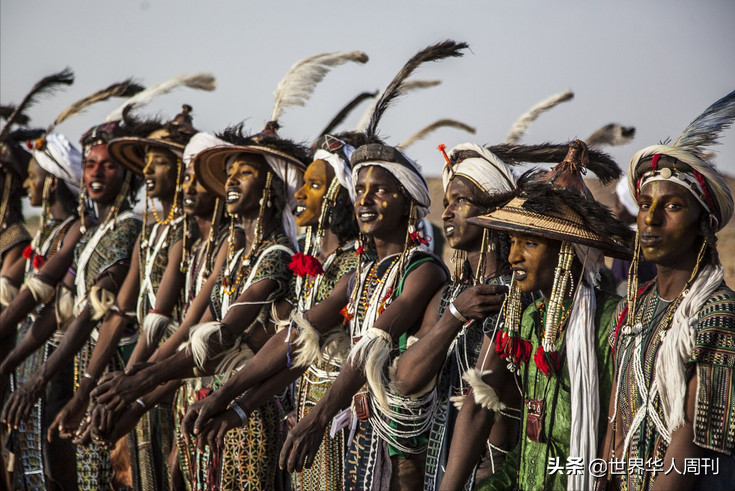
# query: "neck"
(491, 262)
(249, 221)
(671, 280)
(330, 243)
(391, 243)
(166, 205)
(57, 211)
(205, 225)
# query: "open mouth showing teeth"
(232, 196)
(188, 201)
(449, 230)
(96, 186)
(519, 274)
(299, 210)
(367, 216)
(149, 183)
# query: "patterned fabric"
(12, 236)
(153, 434)
(250, 457)
(115, 247)
(527, 465)
(326, 472)
(462, 355)
(28, 440)
(368, 463)
(713, 359)
(94, 470)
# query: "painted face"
(379, 203)
(160, 173)
(197, 200)
(246, 177)
(460, 204)
(668, 223)
(103, 176)
(533, 259)
(310, 196)
(34, 182)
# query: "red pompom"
(38, 261)
(28, 251)
(548, 363)
(305, 265)
(515, 348)
(417, 238)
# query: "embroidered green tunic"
(714, 361)
(527, 466)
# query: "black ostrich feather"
(46, 86)
(234, 134)
(346, 110)
(436, 52)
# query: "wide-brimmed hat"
(173, 136)
(210, 164)
(552, 205)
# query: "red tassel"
(28, 251)
(305, 265)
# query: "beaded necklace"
(374, 302)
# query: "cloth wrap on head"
(719, 191)
(60, 158)
(678, 345)
(487, 171)
(408, 176)
(342, 170)
(626, 199)
(293, 180)
(200, 142)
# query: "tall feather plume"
(20, 119)
(345, 111)
(436, 52)
(408, 86)
(519, 127)
(600, 163)
(198, 81)
(127, 88)
(47, 85)
(612, 134)
(450, 123)
(299, 83)
(706, 128)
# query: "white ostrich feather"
(198, 81)
(612, 134)
(299, 83)
(706, 128)
(451, 123)
(519, 127)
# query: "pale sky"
(653, 65)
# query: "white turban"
(342, 170)
(198, 143)
(410, 178)
(721, 194)
(293, 178)
(61, 159)
(626, 199)
(487, 172)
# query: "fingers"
(52, 428)
(190, 419)
(285, 451)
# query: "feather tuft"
(449, 123)
(519, 127)
(20, 119)
(395, 89)
(706, 128)
(612, 134)
(46, 86)
(408, 86)
(301, 80)
(127, 88)
(198, 81)
(345, 111)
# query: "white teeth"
(96, 186)
(448, 230)
(232, 196)
(188, 201)
(149, 183)
(299, 209)
(367, 216)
